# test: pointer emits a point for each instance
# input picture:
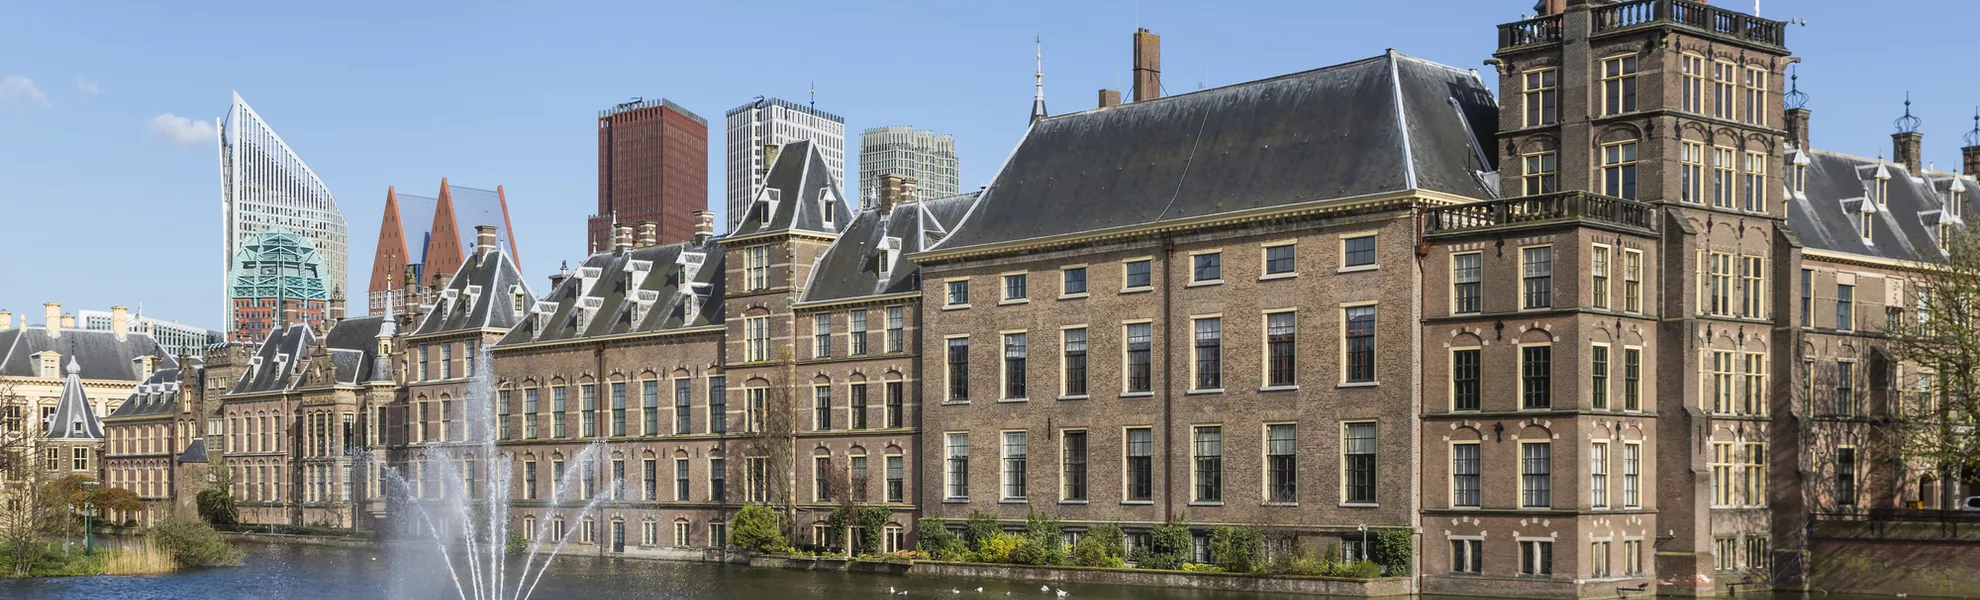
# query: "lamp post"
(89, 541)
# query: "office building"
(175, 338)
(265, 187)
(652, 166)
(927, 157)
(774, 122)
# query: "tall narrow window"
(1360, 344)
(1074, 375)
(1598, 276)
(1845, 389)
(957, 469)
(1632, 281)
(1619, 170)
(1845, 305)
(1464, 475)
(1014, 467)
(1598, 379)
(649, 405)
(650, 479)
(1632, 475)
(1756, 182)
(1846, 476)
(718, 404)
(1280, 330)
(821, 408)
(1139, 375)
(1537, 276)
(1722, 90)
(858, 480)
(1753, 287)
(618, 392)
(958, 369)
(858, 407)
(896, 329)
(588, 403)
(1014, 371)
(531, 407)
(1619, 85)
(1691, 173)
(1632, 379)
(1465, 282)
(1542, 174)
(821, 479)
(1542, 97)
(754, 405)
(1720, 291)
(1755, 490)
(1724, 188)
(1140, 465)
(1358, 463)
(896, 479)
(856, 333)
(1693, 90)
(1756, 96)
(756, 263)
(1536, 474)
(718, 480)
(681, 479)
(1598, 475)
(1722, 382)
(1282, 462)
(896, 404)
(1465, 375)
(1754, 393)
(821, 335)
(1209, 354)
(1207, 449)
(1072, 468)
(1807, 297)
(558, 413)
(1536, 377)
(756, 339)
(1722, 475)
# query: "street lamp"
(89, 541)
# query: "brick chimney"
(769, 157)
(1147, 65)
(1971, 164)
(6, 320)
(646, 234)
(337, 304)
(484, 240)
(1797, 127)
(563, 273)
(51, 318)
(704, 226)
(1110, 98)
(890, 191)
(1550, 7)
(120, 322)
(622, 238)
(908, 191)
(1904, 150)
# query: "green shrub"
(1392, 551)
(980, 528)
(517, 543)
(1238, 549)
(1201, 568)
(757, 528)
(1171, 546)
(1044, 542)
(1103, 546)
(999, 548)
(216, 506)
(1358, 570)
(193, 543)
(934, 538)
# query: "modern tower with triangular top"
(265, 187)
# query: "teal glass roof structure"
(278, 264)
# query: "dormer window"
(890, 251)
(1945, 235)
(1958, 197)
(517, 300)
(1800, 178)
(825, 205)
(767, 205)
(1881, 191)
(1864, 221)
(51, 365)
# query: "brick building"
(652, 166)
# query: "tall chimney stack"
(704, 226)
(890, 192)
(337, 304)
(1905, 148)
(1797, 126)
(769, 158)
(120, 321)
(622, 238)
(647, 233)
(1147, 65)
(1110, 98)
(1550, 7)
(51, 315)
(68, 321)
(1970, 153)
(6, 320)
(484, 240)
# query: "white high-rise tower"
(265, 187)
(766, 121)
(926, 156)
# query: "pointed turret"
(73, 419)
(1038, 97)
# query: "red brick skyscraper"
(652, 166)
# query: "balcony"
(1702, 18)
(1550, 209)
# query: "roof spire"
(1038, 99)
(1907, 123)
(1972, 138)
(1795, 98)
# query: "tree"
(118, 499)
(34, 512)
(1103, 546)
(1934, 425)
(1238, 549)
(755, 528)
(772, 436)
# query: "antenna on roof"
(1972, 138)
(1907, 123)
(814, 94)
(1795, 98)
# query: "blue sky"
(100, 204)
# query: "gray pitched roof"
(1825, 216)
(156, 396)
(798, 179)
(640, 290)
(101, 354)
(73, 419)
(278, 360)
(195, 451)
(851, 267)
(481, 295)
(1384, 124)
(353, 344)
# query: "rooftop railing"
(1624, 15)
(1562, 207)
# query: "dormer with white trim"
(587, 277)
(766, 203)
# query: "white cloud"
(15, 87)
(182, 131)
(87, 86)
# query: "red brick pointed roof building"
(422, 235)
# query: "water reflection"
(305, 573)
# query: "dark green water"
(308, 572)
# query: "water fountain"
(469, 535)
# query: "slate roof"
(797, 179)
(73, 419)
(1824, 216)
(1383, 124)
(480, 295)
(195, 451)
(353, 344)
(278, 360)
(851, 267)
(639, 290)
(100, 353)
(155, 397)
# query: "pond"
(312, 572)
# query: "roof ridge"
(1127, 105)
(1402, 122)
